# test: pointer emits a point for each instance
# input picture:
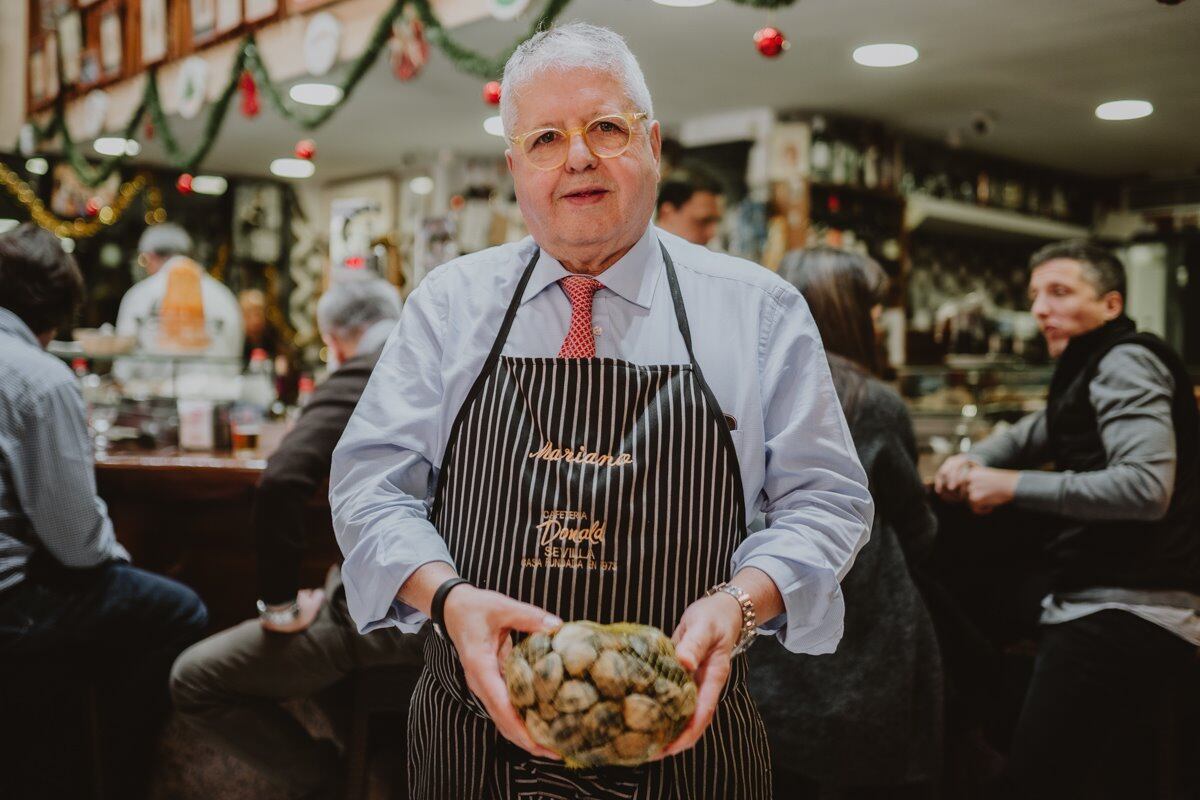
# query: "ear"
(656, 141)
(1114, 305)
(508, 159)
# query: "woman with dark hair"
(865, 722)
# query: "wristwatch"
(278, 615)
(437, 607)
(749, 631)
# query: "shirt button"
(596, 331)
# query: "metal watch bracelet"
(749, 629)
(278, 616)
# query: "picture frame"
(257, 10)
(229, 15)
(204, 20)
(70, 36)
(153, 31)
(112, 51)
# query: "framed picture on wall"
(154, 31)
(204, 20)
(229, 15)
(112, 41)
(70, 36)
(260, 9)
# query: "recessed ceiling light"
(494, 126)
(290, 168)
(1124, 109)
(116, 146)
(685, 3)
(209, 184)
(37, 165)
(885, 55)
(315, 94)
(421, 185)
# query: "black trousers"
(1091, 725)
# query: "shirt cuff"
(379, 565)
(814, 610)
(1039, 491)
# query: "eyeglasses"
(605, 137)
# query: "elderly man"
(303, 640)
(162, 248)
(689, 206)
(624, 381)
(1123, 617)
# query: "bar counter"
(187, 516)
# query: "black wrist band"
(439, 603)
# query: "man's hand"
(479, 622)
(310, 602)
(704, 643)
(987, 488)
(950, 481)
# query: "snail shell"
(575, 696)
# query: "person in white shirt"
(162, 248)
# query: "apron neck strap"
(511, 314)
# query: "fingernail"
(551, 621)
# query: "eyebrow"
(595, 114)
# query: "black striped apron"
(598, 490)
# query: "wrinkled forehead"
(558, 97)
(1065, 271)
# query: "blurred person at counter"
(230, 685)
(178, 308)
(1121, 622)
(689, 206)
(865, 721)
(580, 374)
(258, 332)
(69, 598)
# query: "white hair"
(351, 305)
(578, 45)
(165, 239)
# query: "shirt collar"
(13, 325)
(634, 277)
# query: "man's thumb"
(530, 619)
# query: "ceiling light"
(291, 168)
(116, 146)
(684, 3)
(421, 185)
(316, 94)
(209, 184)
(68, 245)
(7, 225)
(37, 166)
(494, 126)
(885, 55)
(1124, 109)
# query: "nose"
(1040, 307)
(579, 157)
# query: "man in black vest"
(1122, 619)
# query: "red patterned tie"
(580, 341)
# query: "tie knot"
(580, 287)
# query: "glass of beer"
(245, 423)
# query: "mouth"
(586, 195)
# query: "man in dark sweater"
(230, 684)
(1121, 622)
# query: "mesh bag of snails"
(601, 695)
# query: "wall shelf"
(958, 217)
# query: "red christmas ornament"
(249, 90)
(92, 207)
(184, 184)
(306, 149)
(770, 41)
(491, 93)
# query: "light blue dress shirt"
(756, 342)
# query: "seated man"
(1122, 619)
(303, 640)
(68, 595)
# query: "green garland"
(248, 58)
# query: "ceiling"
(1040, 67)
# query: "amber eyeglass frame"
(630, 118)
